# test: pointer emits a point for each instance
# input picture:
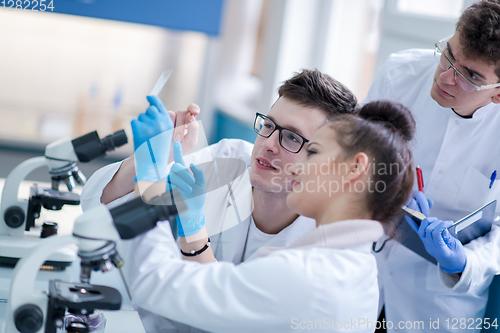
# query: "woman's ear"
(360, 166)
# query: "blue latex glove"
(440, 244)
(419, 202)
(193, 188)
(152, 139)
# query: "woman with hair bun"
(373, 145)
(357, 174)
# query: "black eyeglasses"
(291, 141)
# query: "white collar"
(341, 234)
(335, 235)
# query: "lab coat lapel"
(239, 208)
(232, 242)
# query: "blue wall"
(195, 15)
(227, 127)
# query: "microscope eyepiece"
(114, 140)
(89, 146)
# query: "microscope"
(95, 233)
(17, 216)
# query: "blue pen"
(493, 177)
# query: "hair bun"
(392, 115)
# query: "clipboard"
(474, 225)
(468, 228)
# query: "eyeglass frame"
(475, 86)
(280, 129)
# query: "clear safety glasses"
(291, 141)
(463, 80)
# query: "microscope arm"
(13, 210)
(95, 228)
(27, 304)
(10, 195)
(60, 153)
(61, 158)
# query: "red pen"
(420, 180)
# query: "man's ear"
(360, 165)
(496, 98)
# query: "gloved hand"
(152, 139)
(419, 202)
(193, 188)
(440, 244)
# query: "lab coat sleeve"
(378, 88)
(92, 191)
(381, 85)
(234, 148)
(483, 262)
(255, 296)
(391, 81)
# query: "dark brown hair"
(479, 28)
(383, 130)
(313, 89)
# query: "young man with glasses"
(454, 93)
(306, 101)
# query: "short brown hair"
(311, 88)
(479, 28)
(384, 131)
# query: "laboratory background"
(87, 65)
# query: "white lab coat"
(457, 156)
(225, 210)
(328, 278)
